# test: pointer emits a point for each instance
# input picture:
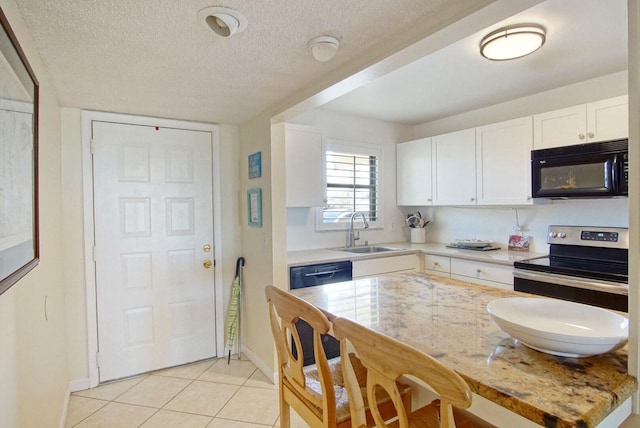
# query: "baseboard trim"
(79, 384)
(65, 404)
(264, 368)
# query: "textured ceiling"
(153, 57)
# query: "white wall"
(258, 243)
(496, 224)
(301, 233)
(33, 343)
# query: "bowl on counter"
(558, 327)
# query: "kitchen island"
(448, 320)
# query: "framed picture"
(19, 251)
(255, 165)
(254, 207)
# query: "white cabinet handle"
(581, 136)
(436, 264)
(473, 199)
(591, 134)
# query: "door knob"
(206, 248)
(207, 264)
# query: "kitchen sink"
(367, 249)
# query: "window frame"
(364, 149)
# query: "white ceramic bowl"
(559, 327)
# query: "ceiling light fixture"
(223, 20)
(512, 42)
(323, 48)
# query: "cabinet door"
(413, 173)
(503, 153)
(305, 183)
(437, 265)
(608, 119)
(454, 171)
(496, 275)
(560, 127)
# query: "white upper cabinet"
(303, 153)
(454, 168)
(608, 119)
(413, 173)
(503, 153)
(586, 123)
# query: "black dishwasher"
(310, 276)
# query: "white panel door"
(153, 221)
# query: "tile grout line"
(108, 401)
(163, 407)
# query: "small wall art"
(254, 207)
(255, 165)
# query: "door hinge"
(98, 359)
(94, 254)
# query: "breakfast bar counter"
(448, 320)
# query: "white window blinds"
(352, 183)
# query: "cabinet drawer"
(380, 265)
(435, 263)
(482, 271)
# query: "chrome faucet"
(351, 235)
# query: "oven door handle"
(572, 281)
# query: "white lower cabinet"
(437, 265)
(482, 273)
(492, 274)
(380, 265)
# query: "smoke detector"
(323, 48)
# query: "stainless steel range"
(585, 264)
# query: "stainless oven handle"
(572, 281)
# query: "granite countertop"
(325, 255)
(448, 320)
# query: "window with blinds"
(352, 184)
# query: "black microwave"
(581, 171)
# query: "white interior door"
(153, 211)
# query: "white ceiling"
(585, 39)
(154, 58)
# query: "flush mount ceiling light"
(512, 42)
(223, 20)
(323, 48)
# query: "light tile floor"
(210, 393)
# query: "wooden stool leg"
(285, 412)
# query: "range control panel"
(589, 235)
(596, 236)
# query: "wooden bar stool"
(386, 360)
(316, 392)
